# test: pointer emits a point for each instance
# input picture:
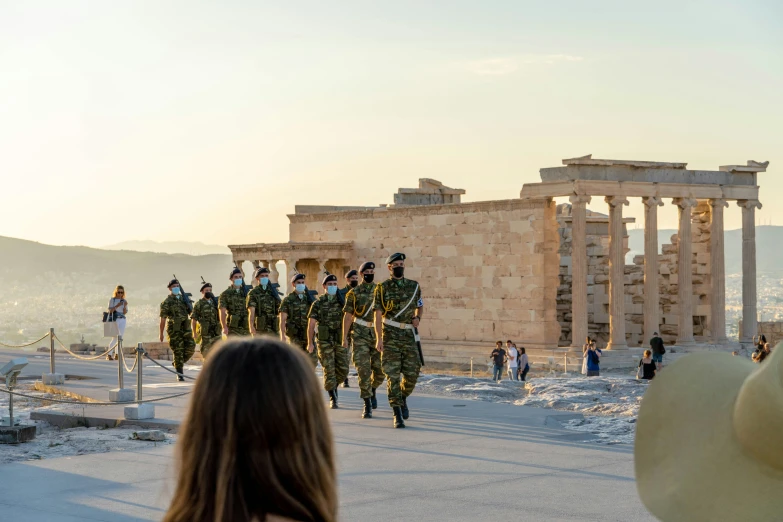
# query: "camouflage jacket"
(359, 301)
(328, 312)
(231, 299)
(263, 300)
(206, 314)
(175, 311)
(393, 295)
(295, 306)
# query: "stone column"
(718, 270)
(274, 274)
(578, 270)
(651, 301)
(684, 271)
(616, 274)
(749, 318)
(239, 263)
(290, 270)
(321, 274)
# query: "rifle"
(341, 293)
(418, 344)
(310, 295)
(185, 297)
(276, 291)
(214, 298)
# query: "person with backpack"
(658, 349)
(593, 356)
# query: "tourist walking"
(498, 357)
(256, 444)
(512, 368)
(522, 363)
(647, 366)
(327, 313)
(658, 349)
(593, 357)
(585, 349)
(398, 311)
(118, 308)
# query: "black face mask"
(354, 284)
(398, 271)
(368, 278)
(209, 295)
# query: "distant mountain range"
(193, 248)
(769, 242)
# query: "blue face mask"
(264, 281)
(300, 288)
(238, 282)
(175, 290)
(331, 290)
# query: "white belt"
(404, 326)
(362, 322)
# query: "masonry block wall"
(489, 270)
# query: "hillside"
(192, 248)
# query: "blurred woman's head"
(256, 440)
(647, 354)
(119, 292)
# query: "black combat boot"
(345, 383)
(367, 411)
(398, 417)
(180, 378)
(405, 412)
(373, 400)
(333, 399)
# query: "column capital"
(684, 203)
(615, 201)
(652, 201)
(719, 202)
(579, 198)
(749, 203)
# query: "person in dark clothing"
(647, 366)
(498, 356)
(656, 345)
(523, 364)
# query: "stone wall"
(772, 330)
(488, 270)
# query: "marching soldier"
(358, 328)
(205, 319)
(293, 316)
(328, 313)
(174, 318)
(233, 314)
(398, 310)
(263, 305)
(351, 282)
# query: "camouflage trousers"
(267, 325)
(334, 358)
(302, 343)
(400, 362)
(207, 342)
(367, 360)
(182, 344)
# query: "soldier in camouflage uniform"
(233, 314)
(358, 326)
(263, 305)
(293, 316)
(327, 312)
(351, 282)
(174, 318)
(204, 321)
(398, 309)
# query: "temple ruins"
(544, 275)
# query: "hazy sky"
(208, 121)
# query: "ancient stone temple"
(543, 276)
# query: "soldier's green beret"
(205, 285)
(329, 279)
(351, 273)
(234, 272)
(369, 265)
(297, 277)
(260, 270)
(172, 283)
(399, 256)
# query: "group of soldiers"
(377, 320)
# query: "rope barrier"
(82, 357)
(97, 403)
(24, 345)
(169, 369)
(135, 361)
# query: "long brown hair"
(256, 440)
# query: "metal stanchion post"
(140, 410)
(139, 366)
(51, 350)
(471, 367)
(120, 394)
(120, 383)
(10, 409)
(565, 363)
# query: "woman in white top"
(119, 307)
(512, 362)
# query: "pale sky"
(208, 121)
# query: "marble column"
(616, 273)
(239, 263)
(578, 270)
(749, 317)
(321, 274)
(718, 272)
(684, 271)
(290, 270)
(651, 301)
(274, 274)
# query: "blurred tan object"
(709, 440)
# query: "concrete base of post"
(139, 412)
(16, 434)
(53, 378)
(121, 395)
